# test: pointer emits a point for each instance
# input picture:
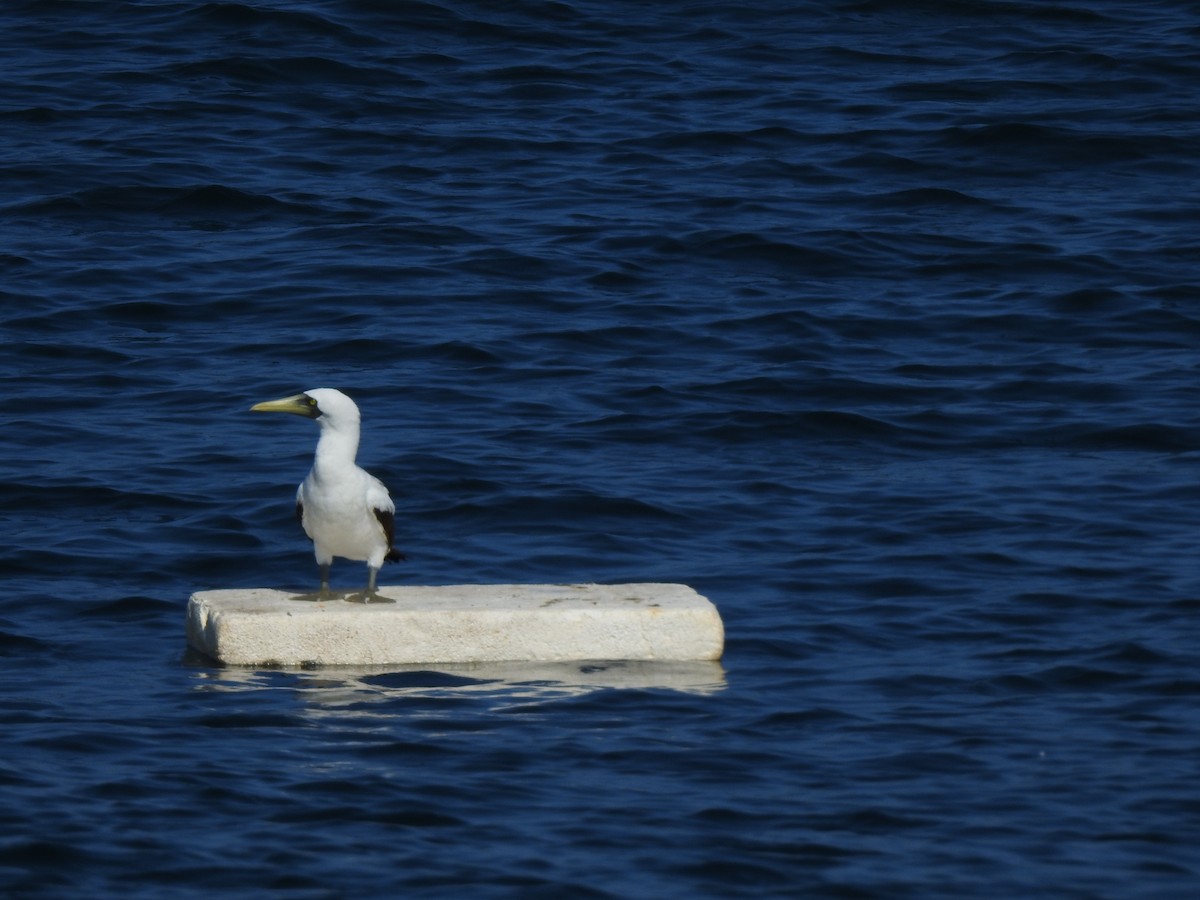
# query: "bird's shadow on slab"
(346, 596)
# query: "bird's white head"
(334, 409)
(331, 408)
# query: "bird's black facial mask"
(313, 411)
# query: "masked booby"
(344, 510)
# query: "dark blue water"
(876, 322)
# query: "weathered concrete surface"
(456, 623)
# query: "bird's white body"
(346, 511)
(337, 506)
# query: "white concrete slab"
(456, 623)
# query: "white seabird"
(346, 511)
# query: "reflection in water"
(356, 691)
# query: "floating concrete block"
(456, 623)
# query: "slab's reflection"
(369, 690)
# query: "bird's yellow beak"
(299, 405)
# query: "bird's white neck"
(337, 446)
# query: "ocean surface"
(878, 323)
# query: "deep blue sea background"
(875, 322)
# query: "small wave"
(14, 644)
(253, 720)
(573, 506)
(925, 198)
(757, 140)
(129, 608)
(737, 426)
(243, 18)
(262, 73)
(213, 204)
(1011, 145)
(1144, 438)
(747, 247)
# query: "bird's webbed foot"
(370, 595)
(321, 595)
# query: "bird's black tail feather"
(395, 556)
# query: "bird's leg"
(325, 578)
(372, 574)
